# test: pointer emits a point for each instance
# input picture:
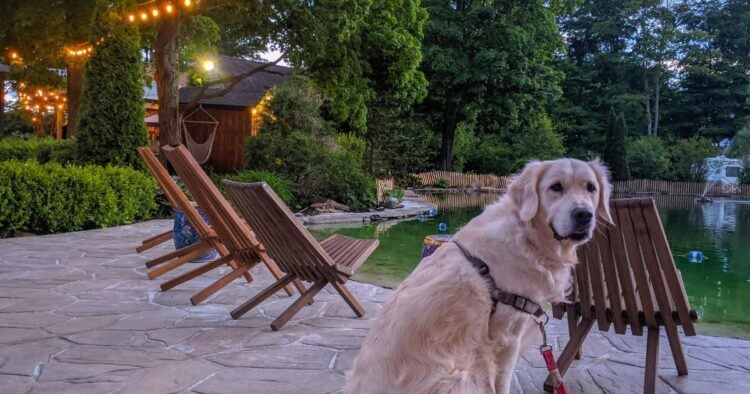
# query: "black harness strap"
(516, 301)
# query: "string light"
(188, 3)
(169, 8)
(155, 12)
(131, 17)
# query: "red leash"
(549, 360)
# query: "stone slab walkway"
(77, 315)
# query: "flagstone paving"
(78, 315)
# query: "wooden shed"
(237, 112)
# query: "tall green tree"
(615, 148)
(617, 55)
(490, 64)
(713, 101)
(112, 110)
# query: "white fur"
(435, 335)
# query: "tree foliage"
(615, 148)
(490, 65)
(112, 110)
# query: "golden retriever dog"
(437, 334)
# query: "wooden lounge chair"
(295, 250)
(239, 242)
(208, 238)
(627, 277)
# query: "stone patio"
(77, 315)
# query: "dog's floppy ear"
(605, 190)
(524, 190)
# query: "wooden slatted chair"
(208, 237)
(241, 245)
(295, 250)
(626, 276)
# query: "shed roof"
(249, 91)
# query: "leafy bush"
(277, 182)
(648, 159)
(443, 183)
(42, 150)
(397, 193)
(295, 142)
(50, 198)
(687, 156)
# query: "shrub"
(111, 116)
(397, 193)
(443, 183)
(41, 150)
(647, 158)
(687, 156)
(50, 198)
(296, 143)
(277, 182)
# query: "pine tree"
(615, 150)
(112, 111)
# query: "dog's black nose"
(582, 217)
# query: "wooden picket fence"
(680, 188)
(449, 201)
(461, 180)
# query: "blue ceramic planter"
(185, 235)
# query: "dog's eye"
(590, 187)
(557, 187)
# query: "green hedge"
(42, 150)
(50, 198)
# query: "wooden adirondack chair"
(295, 250)
(627, 277)
(208, 238)
(241, 245)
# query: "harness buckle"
(520, 305)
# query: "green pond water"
(718, 288)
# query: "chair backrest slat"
(285, 237)
(584, 283)
(654, 271)
(234, 233)
(666, 262)
(173, 192)
(597, 285)
(625, 274)
(610, 278)
(637, 264)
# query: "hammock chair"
(200, 151)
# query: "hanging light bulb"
(169, 8)
(188, 3)
(155, 12)
(131, 18)
(144, 16)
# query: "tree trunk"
(647, 104)
(2, 102)
(74, 89)
(657, 90)
(449, 134)
(166, 75)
